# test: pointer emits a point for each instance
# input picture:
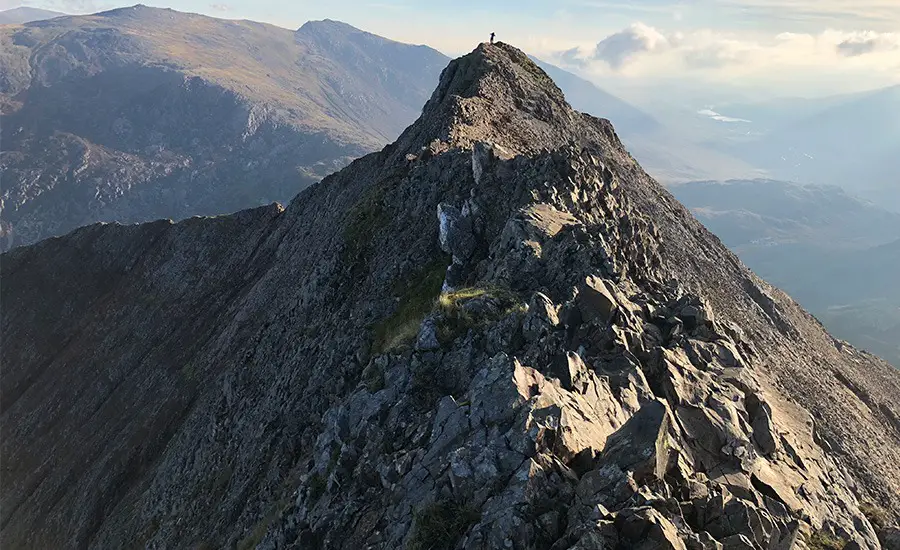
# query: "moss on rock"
(440, 525)
(417, 299)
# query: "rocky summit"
(497, 332)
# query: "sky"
(783, 47)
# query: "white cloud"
(642, 50)
(616, 49)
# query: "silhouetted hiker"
(492, 38)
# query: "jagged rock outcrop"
(497, 332)
(140, 113)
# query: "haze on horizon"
(764, 48)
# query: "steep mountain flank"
(497, 332)
(142, 113)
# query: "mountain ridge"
(475, 327)
(198, 116)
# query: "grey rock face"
(456, 235)
(212, 368)
(427, 339)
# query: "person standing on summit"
(492, 38)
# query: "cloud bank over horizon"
(641, 50)
(814, 46)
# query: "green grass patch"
(458, 315)
(417, 299)
(876, 515)
(821, 540)
(440, 525)
(420, 295)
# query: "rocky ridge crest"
(497, 332)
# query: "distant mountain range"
(852, 141)
(142, 113)
(659, 147)
(836, 254)
(24, 14)
(848, 140)
(763, 213)
(588, 97)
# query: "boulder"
(764, 434)
(455, 232)
(546, 221)
(542, 317)
(427, 339)
(693, 312)
(641, 446)
(740, 519)
(596, 301)
(571, 371)
(647, 529)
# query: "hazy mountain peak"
(332, 25)
(137, 10)
(347, 40)
(25, 14)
